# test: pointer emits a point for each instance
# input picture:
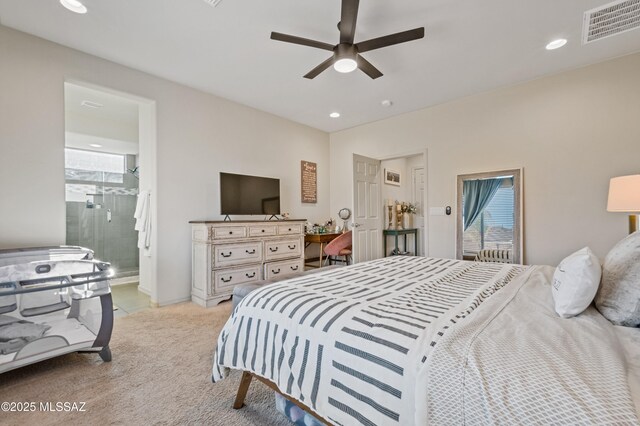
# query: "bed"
(412, 340)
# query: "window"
(93, 161)
(493, 229)
(92, 166)
(492, 220)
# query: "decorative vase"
(390, 209)
(400, 220)
(408, 221)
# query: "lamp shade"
(624, 194)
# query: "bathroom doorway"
(102, 181)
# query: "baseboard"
(125, 280)
(171, 302)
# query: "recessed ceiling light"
(90, 104)
(386, 103)
(74, 6)
(334, 115)
(345, 65)
(557, 44)
(95, 145)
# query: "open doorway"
(379, 183)
(103, 175)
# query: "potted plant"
(408, 211)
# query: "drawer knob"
(273, 249)
(263, 230)
(292, 247)
(226, 255)
(251, 252)
(274, 272)
(230, 232)
(226, 281)
(251, 276)
(294, 268)
(289, 229)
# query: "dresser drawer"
(262, 231)
(283, 268)
(282, 249)
(226, 279)
(236, 254)
(228, 232)
(293, 229)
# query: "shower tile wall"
(87, 224)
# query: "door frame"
(422, 202)
(425, 201)
(148, 143)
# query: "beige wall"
(570, 132)
(198, 136)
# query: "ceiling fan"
(347, 54)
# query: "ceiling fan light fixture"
(346, 54)
(345, 65)
(74, 6)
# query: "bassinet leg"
(105, 354)
(245, 381)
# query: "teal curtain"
(477, 194)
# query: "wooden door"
(367, 209)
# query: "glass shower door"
(100, 201)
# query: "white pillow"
(575, 283)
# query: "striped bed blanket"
(388, 342)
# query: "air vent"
(90, 104)
(213, 3)
(610, 19)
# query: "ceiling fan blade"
(348, 20)
(390, 40)
(366, 67)
(303, 41)
(317, 70)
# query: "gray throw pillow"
(618, 298)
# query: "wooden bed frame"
(243, 388)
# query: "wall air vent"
(610, 19)
(213, 3)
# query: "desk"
(398, 232)
(321, 239)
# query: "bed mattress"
(410, 340)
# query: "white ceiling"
(114, 126)
(470, 46)
(114, 108)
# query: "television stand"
(274, 216)
(227, 218)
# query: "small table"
(398, 232)
(321, 239)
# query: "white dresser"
(225, 254)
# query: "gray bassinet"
(53, 301)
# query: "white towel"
(143, 222)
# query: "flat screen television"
(246, 195)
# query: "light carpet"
(160, 374)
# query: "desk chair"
(339, 247)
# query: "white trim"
(124, 280)
(174, 301)
(425, 163)
(148, 142)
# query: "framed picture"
(391, 177)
